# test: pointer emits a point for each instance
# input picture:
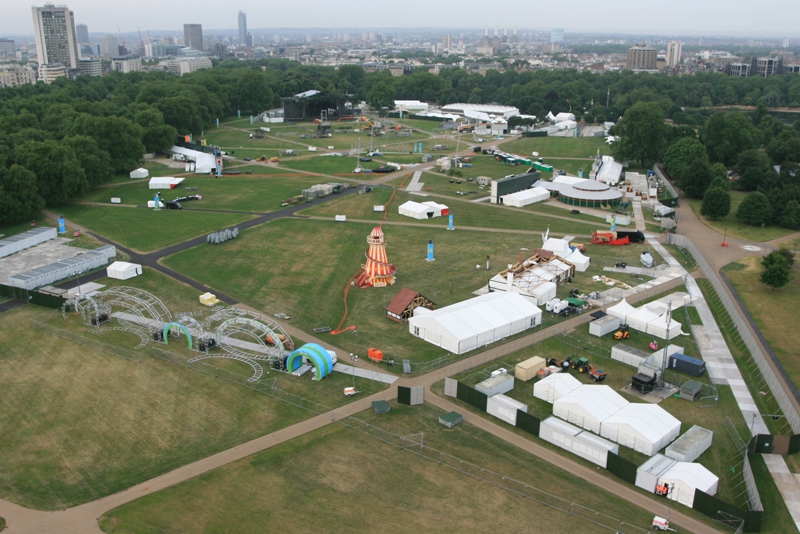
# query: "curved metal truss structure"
(89, 308)
(268, 345)
(136, 302)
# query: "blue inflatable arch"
(318, 356)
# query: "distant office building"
(82, 32)
(220, 50)
(739, 70)
(242, 28)
(155, 50)
(642, 57)
(54, 31)
(674, 53)
(557, 36)
(14, 76)
(7, 48)
(791, 69)
(308, 37)
(90, 67)
(702, 41)
(109, 46)
(193, 36)
(50, 71)
(447, 42)
(786, 42)
(182, 66)
(126, 64)
(763, 67)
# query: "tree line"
(59, 140)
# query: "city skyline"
(737, 19)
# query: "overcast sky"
(767, 18)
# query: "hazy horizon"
(770, 19)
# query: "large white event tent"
(164, 182)
(526, 196)
(645, 428)
(553, 387)
(588, 406)
(476, 322)
(659, 328)
(621, 310)
(639, 319)
(422, 210)
(580, 261)
(688, 477)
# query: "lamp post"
(78, 274)
(725, 237)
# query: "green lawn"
(420, 124)
(326, 164)
(736, 228)
(235, 193)
(146, 230)
(467, 214)
(775, 312)
(79, 424)
(365, 485)
(557, 147)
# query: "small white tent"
(122, 270)
(580, 261)
(688, 477)
(559, 247)
(639, 319)
(588, 406)
(621, 310)
(659, 328)
(553, 387)
(141, 172)
(645, 428)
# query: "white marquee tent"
(621, 310)
(422, 210)
(580, 261)
(639, 319)
(559, 247)
(141, 172)
(553, 387)
(645, 428)
(476, 322)
(588, 406)
(164, 182)
(122, 270)
(658, 327)
(687, 478)
(526, 196)
(543, 292)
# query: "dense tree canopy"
(755, 210)
(726, 135)
(716, 203)
(641, 132)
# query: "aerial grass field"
(235, 193)
(79, 424)
(366, 485)
(326, 164)
(736, 228)
(775, 312)
(465, 214)
(146, 230)
(557, 147)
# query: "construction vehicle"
(368, 125)
(349, 392)
(598, 375)
(580, 364)
(654, 345)
(622, 333)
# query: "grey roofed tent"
(381, 407)
(451, 419)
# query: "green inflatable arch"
(319, 357)
(185, 331)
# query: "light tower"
(378, 272)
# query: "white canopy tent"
(621, 310)
(660, 328)
(476, 322)
(122, 270)
(526, 197)
(588, 406)
(580, 261)
(164, 182)
(439, 210)
(688, 477)
(645, 428)
(559, 247)
(639, 319)
(416, 210)
(553, 387)
(544, 292)
(141, 172)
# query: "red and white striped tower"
(378, 272)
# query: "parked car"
(364, 158)
(247, 159)
(384, 169)
(173, 205)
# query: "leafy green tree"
(771, 100)
(59, 176)
(252, 95)
(641, 132)
(157, 135)
(19, 197)
(381, 96)
(776, 271)
(791, 215)
(117, 136)
(785, 146)
(716, 203)
(95, 162)
(681, 153)
(755, 210)
(726, 135)
(751, 165)
(695, 178)
(719, 182)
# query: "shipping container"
(529, 368)
(687, 365)
(501, 383)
